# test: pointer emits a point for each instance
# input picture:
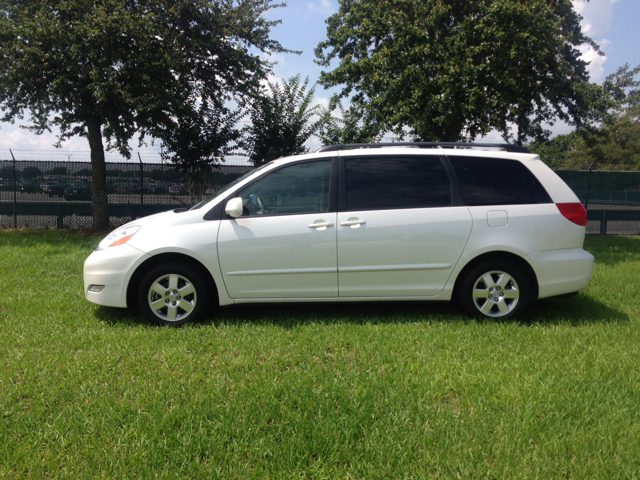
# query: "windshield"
(227, 187)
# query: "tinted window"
(299, 188)
(497, 181)
(383, 183)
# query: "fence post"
(141, 180)
(586, 200)
(60, 218)
(15, 189)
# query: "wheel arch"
(160, 259)
(502, 256)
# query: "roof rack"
(343, 146)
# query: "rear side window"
(385, 183)
(497, 181)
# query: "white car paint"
(412, 254)
(262, 257)
(400, 252)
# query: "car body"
(78, 191)
(492, 230)
(30, 186)
(54, 188)
(178, 189)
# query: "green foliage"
(457, 69)
(352, 125)
(30, 173)
(111, 68)
(6, 172)
(621, 96)
(611, 147)
(198, 137)
(125, 63)
(281, 121)
(614, 146)
(555, 152)
(58, 171)
(614, 142)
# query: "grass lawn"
(315, 391)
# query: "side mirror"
(234, 207)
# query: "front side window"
(294, 189)
(394, 182)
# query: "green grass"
(315, 391)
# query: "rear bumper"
(561, 271)
(111, 268)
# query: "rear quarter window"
(497, 181)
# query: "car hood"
(168, 218)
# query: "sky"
(613, 24)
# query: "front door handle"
(353, 221)
(321, 225)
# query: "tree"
(31, 173)
(620, 95)
(451, 70)
(610, 147)
(352, 125)
(58, 171)
(111, 68)
(556, 151)
(613, 143)
(6, 172)
(199, 137)
(281, 121)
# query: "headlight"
(118, 237)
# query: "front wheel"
(172, 295)
(496, 289)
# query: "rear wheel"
(494, 289)
(170, 294)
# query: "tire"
(171, 294)
(494, 289)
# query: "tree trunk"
(98, 175)
(452, 133)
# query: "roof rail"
(343, 146)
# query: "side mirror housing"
(234, 207)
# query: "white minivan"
(491, 230)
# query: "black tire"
(184, 292)
(494, 289)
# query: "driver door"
(284, 244)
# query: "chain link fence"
(44, 194)
(57, 194)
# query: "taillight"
(574, 212)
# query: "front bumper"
(112, 268)
(561, 271)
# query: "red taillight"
(574, 212)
